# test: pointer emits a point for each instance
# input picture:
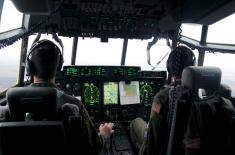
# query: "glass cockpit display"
(146, 92)
(129, 92)
(91, 94)
(110, 93)
(71, 71)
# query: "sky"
(93, 52)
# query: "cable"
(154, 67)
(175, 94)
(57, 39)
(173, 107)
(150, 44)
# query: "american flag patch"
(156, 108)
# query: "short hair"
(178, 59)
(44, 59)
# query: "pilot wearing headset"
(146, 137)
(43, 61)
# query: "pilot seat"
(211, 114)
(34, 128)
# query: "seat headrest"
(40, 101)
(195, 77)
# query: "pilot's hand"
(105, 130)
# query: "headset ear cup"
(61, 61)
(29, 68)
(194, 59)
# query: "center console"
(115, 94)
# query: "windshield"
(137, 54)
(9, 56)
(9, 66)
(11, 18)
(222, 31)
(191, 30)
(91, 51)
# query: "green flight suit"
(92, 143)
(151, 143)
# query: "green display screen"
(72, 71)
(91, 94)
(86, 71)
(132, 72)
(100, 71)
(146, 91)
(119, 71)
(110, 93)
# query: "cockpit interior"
(114, 93)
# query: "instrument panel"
(101, 71)
(112, 93)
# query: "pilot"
(144, 135)
(43, 61)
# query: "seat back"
(34, 129)
(40, 124)
(232, 135)
(41, 102)
(32, 138)
(210, 116)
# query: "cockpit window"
(93, 52)
(9, 56)
(222, 31)
(9, 16)
(192, 31)
(226, 63)
(137, 56)
(9, 65)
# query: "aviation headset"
(30, 69)
(180, 58)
